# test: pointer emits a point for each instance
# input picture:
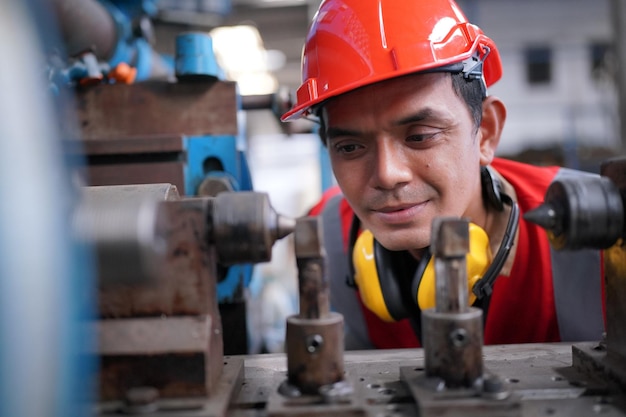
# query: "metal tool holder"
(314, 337)
(453, 339)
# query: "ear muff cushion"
(478, 260)
(366, 276)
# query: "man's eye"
(345, 149)
(420, 138)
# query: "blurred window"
(601, 58)
(538, 65)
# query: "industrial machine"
(158, 323)
(140, 117)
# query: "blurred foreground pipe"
(45, 279)
(121, 223)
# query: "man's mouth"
(399, 213)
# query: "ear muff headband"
(484, 287)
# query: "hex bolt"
(141, 400)
(339, 392)
(493, 388)
(492, 384)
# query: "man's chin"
(401, 243)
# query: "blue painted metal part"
(246, 177)
(200, 150)
(224, 153)
(204, 152)
(195, 56)
(145, 59)
(237, 278)
(131, 48)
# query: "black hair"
(471, 91)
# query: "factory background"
(557, 56)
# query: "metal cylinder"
(121, 222)
(314, 352)
(453, 332)
(453, 346)
(244, 227)
(581, 212)
(314, 339)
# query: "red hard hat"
(354, 43)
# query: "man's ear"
(494, 116)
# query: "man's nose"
(392, 167)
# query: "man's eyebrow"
(424, 114)
(333, 132)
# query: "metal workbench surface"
(537, 380)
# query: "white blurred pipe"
(37, 295)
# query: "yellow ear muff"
(478, 260)
(366, 276)
(367, 280)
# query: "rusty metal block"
(137, 173)
(134, 134)
(157, 108)
(179, 357)
(187, 284)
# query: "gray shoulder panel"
(342, 298)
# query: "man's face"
(405, 151)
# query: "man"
(400, 91)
